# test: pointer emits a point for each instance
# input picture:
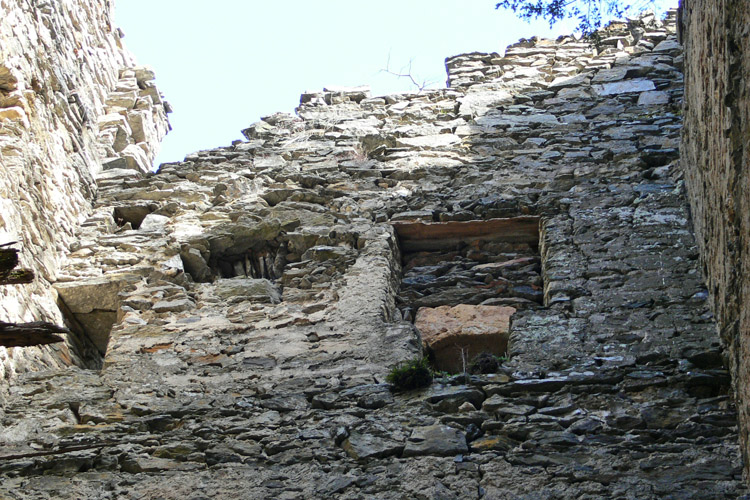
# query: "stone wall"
(73, 106)
(250, 305)
(716, 160)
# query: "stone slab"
(438, 440)
(456, 334)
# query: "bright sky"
(225, 63)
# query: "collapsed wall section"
(73, 107)
(716, 159)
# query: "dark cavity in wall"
(133, 214)
(264, 260)
(261, 263)
(463, 281)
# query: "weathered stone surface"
(66, 98)
(366, 446)
(715, 155)
(456, 334)
(613, 388)
(255, 290)
(439, 440)
(624, 87)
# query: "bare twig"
(464, 359)
(405, 72)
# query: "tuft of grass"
(410, 375)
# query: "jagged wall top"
(562, 58)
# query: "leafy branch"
(590, 13)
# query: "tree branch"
(406, 73)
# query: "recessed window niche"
(463, 281)
(261, 261)
(133, 214)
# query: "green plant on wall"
(412, 374)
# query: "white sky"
(225, 63)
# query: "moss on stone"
(410, 375)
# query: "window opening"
(463, 281)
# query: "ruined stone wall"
(251, 301)
(716, 160)
(73, 106)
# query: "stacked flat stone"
(253, 289)
(72, 104)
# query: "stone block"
(429, 141)
(653, 98)
(176, 305)
(8, 81)
(475, 103)
(141, 123)
(610, 75)
(361, 446)
(114, 163)
(94, 304)
(144, 74)
(438, 440)
(136, 158)
(257, 290)
(93, 294)
(625, 86)
(15, 113)
(154, 222)
(124, 100)
(457, 334)
(114, 120)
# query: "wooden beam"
(23, 334)
(30, 334)
(8, 274)
(18, 277)
(431, 236)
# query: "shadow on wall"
(90, 308)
